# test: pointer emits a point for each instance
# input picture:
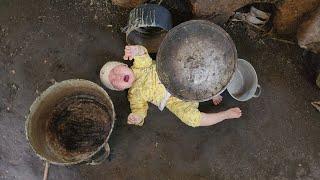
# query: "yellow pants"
(187, 112)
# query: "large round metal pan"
(196, 60)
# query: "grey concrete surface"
(278, 136)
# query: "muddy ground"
(41, 42)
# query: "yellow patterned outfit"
(148, 88)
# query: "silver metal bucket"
(244, 83)
(42, 113)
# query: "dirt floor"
(45, 41)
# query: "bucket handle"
(258, 91)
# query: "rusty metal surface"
(78, 125)
(41, 113)
(196, 60)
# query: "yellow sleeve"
(138, 105)
(142, 61)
